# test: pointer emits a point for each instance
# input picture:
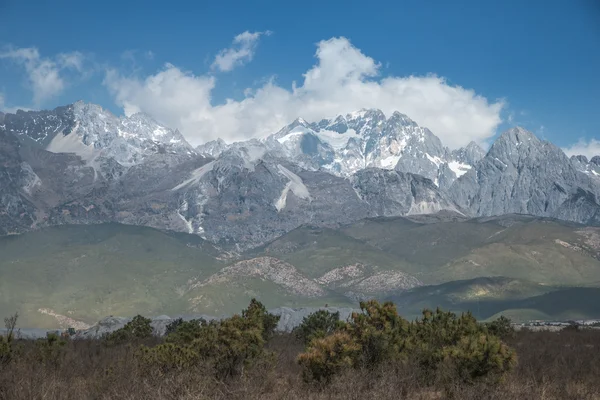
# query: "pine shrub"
(317, 325)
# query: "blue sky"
(477, 67)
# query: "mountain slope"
(521, 247)
(88, 272)
(79, 164)
(488, 298)
(522, 174)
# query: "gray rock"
(80, 164)
(524, 175)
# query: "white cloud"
(342, 80)
(588, 148)
(44, 74)
(241, 51)
(177, 98)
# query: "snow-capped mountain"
(80, 164)
(92, 133)
(363, 139)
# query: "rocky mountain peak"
(470, 155)
(213, 149)
(517, 135)
(401, 119)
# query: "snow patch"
(360, 114)
(424, 207)
(389, 162)
(337, 141)
(72, 143)
(436, 160)
(197, 174)
(296, 185)
(459, 168)
(297, 131)
(497, 159)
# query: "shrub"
(329, 355)
(227, 346)
(186, 331)
(138, 328)
(257, 312)
(172, 326)
(379, 330)
(7, 348)
(378, 335)
(317, 325)
(501, 327)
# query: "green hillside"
(515, 264)
(521, 247)
(88, 272)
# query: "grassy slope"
(88, 272)
(315, 251)
(231, 297)
(449, 251)
(488, 298)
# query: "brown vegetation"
(551, 365)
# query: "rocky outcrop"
(524, 175)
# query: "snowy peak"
(367, 139)
(590, 168)
(401, 119)
(95, 134)
(213, 149)
(471, 154)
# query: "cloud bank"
(342, 80)
(589, 148)
(45, 75)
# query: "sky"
(467, 70)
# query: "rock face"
(16, 179)
(590, 168)
(522, 174)
(80, 164)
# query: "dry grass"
(563, 365)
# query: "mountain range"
(120, 215)
(79, 164)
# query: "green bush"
(480, 356)
(227, 346)
(257, 312)
(186, 331)
(138, 328)
(172, 326)
(379, 330)
(441, 344)
(501, 327)
(317, 325)
(329, 355)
